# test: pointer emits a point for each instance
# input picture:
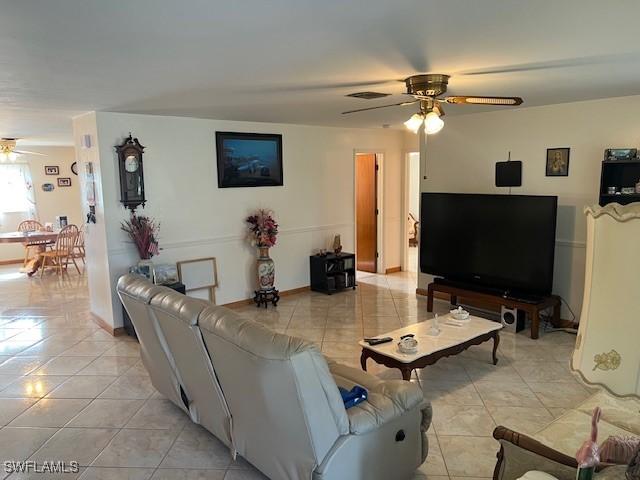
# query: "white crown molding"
(620, 213)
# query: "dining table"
(38, 238)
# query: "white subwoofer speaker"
(512, 319)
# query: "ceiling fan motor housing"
(430, 85)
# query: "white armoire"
(608, 343)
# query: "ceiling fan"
(8, 150)
(425, 90)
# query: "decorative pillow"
(619, 449)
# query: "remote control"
(378, 341)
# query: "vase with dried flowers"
(263, 231)
(143, 232)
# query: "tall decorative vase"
(266, 269)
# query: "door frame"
(380, 154)
(405, 210)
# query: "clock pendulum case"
(131, 173)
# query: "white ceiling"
(293, 61)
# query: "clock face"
(131, 164)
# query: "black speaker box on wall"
(509, 174)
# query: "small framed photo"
(51, 170)
(165, 274)
(64, 182)
(146, 270)
(558, 162)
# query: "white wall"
(61, 201)
(97, 258)
(461, 158)
(198, 219)
(413, 182)
(412, 186)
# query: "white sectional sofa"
(273, 398)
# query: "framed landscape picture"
(249, 159)
(557, 162)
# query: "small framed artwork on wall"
(558, 162)
(51, 170)
(64, 182)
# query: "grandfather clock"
(131, 173)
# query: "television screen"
(505, 242)
(249, 159)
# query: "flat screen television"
(500, 242)
(249, 159)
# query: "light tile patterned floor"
(70, 391)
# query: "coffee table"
(451, 341)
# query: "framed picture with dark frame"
(51, 170)
(64, 182)
(558, 162)
(249, 159)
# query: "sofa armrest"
(519, 454)
(387, 399)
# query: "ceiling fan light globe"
(433, 123)
(414, 123)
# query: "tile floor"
(70, 391)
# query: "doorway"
(366, 189)
(412, 212)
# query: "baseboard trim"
(11, 262)
(284, 293)
(116, 332)
(393, 270)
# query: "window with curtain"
(16, 189)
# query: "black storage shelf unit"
(332, 273)
(619, 174)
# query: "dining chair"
(58, 257)
(78, 249)
(30, 226)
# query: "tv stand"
(487, 298)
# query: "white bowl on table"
(408, 345)
(459, 314)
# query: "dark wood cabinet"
(619, 174)
(332, 273)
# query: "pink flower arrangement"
(263, 228)
(143, 232)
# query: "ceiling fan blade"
(325, 86)
(475, 100)
(27, 152)
(626, 58)
(401, 104)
